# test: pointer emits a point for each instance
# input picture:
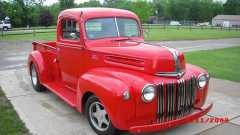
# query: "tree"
(91, 3)
(46, 19)
(232, 7)
(160, 8)
(64, 4)
(143, 9)
(54, 10)
(4, 8)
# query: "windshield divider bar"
(117, 26)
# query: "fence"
(190, 27)
(146, 27)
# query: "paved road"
(14, 54)
(46, 114)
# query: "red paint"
(107, 68)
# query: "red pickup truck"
(100, 65)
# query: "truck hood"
(157, 60)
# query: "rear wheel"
(98, 117)
(35, 79)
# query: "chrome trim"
(178, 96)
(171, 74)
(174, 99)
(115, 19)
(168, 100)
(175, 55)
(158, 104)
(194, 89)
(146, 85)
(181, 97)
(162, 101)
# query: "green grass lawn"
(10, 123)
(150, 35)
(221, 63)
(30, 37)
(187, 34)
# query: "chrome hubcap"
(98, 116)
(34, 76)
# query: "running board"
(64, 93)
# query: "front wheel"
(98, 117)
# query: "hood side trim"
(175, 55)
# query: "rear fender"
(36, 58)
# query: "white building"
(226, 20)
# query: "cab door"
(70, 52)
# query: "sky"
(49, 2)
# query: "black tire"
(5, 28)
(36, 85)
(111, 130)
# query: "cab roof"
(88, 13)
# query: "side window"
(70, 29)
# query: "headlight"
(148, 93)
(202, 81)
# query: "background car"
(5, 25)
(175, 23)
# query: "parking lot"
(46, 114)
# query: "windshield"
(111, 27)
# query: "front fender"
(109, 90)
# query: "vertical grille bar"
(182, 97)
(162, 102)
(193, 89)
(186, 97)
(160, 92)
(178, 98)
(175, 99)
(158, 102)
(168, 100)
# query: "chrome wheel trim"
(34, 76)
(98, 116)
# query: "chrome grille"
(175, 99)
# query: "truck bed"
(53, 81)
(48, 52)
